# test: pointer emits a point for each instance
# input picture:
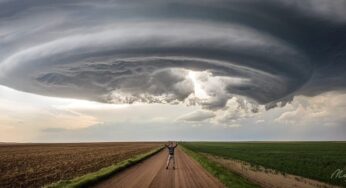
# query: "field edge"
(102, 174)
(224, 175)
(251, 153)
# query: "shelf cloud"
(198, 53)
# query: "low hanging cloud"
(257, 52)
(327, 109)
(197, 116)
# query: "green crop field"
(315, 160)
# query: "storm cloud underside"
(262, 52)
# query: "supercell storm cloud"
(195, 52)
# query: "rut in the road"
(152, 173)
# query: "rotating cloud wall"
(262, 52)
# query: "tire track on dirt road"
(152, 173)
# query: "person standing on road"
(171, 148)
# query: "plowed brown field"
(34, 165)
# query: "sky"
(235, 70)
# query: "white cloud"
(197, 116)
(260, 121)
(23, 112)
(326, 109)
(233, 125)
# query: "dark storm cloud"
(128, 51)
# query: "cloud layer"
(262, 52)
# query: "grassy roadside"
(228, 178)
(313, 160)
(104, 173)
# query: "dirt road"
(152, 173)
